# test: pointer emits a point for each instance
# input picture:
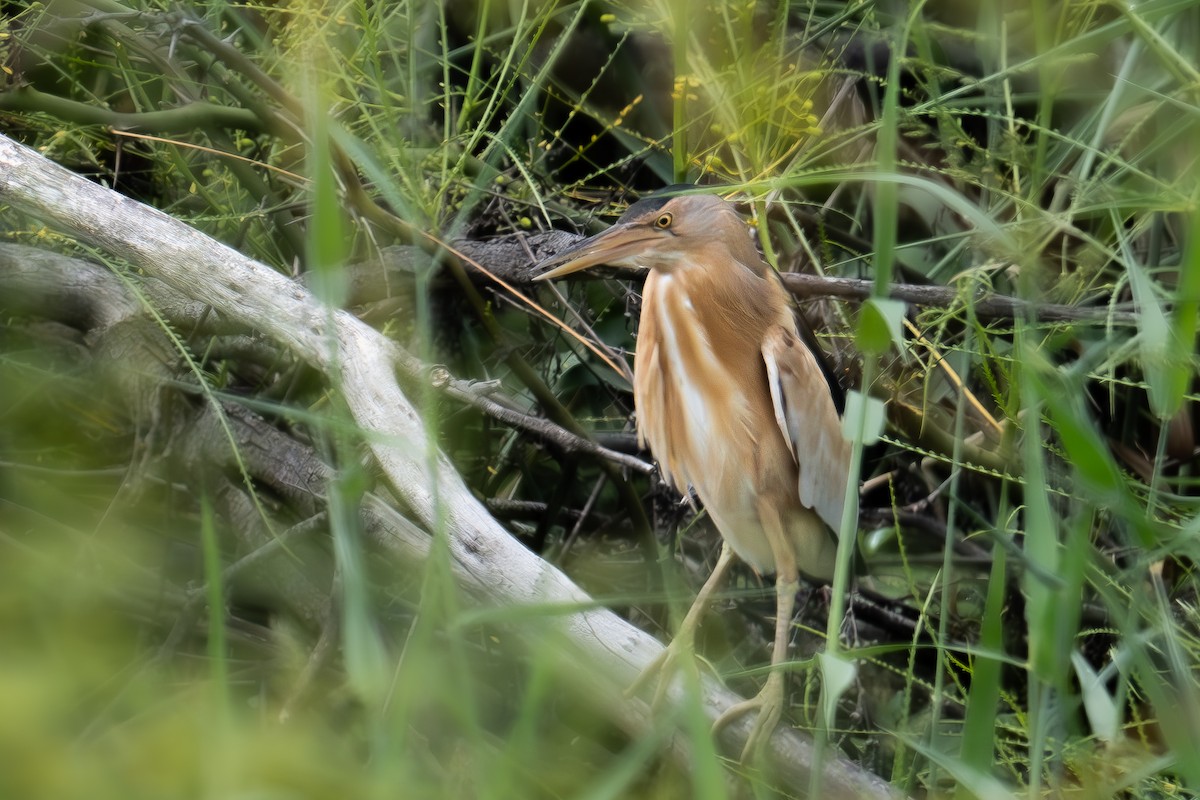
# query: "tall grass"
(1046, 152)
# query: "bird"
(733, 400)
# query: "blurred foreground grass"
(93, 707)
(1043, 151)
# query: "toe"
(768, 704)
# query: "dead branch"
(505, 258)
(491, 567)
(90, 297)
(985, 305)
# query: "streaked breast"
(695, 398)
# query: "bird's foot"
(663, 667)
(769, 704)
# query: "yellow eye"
(664, 221)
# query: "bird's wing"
(810, 424)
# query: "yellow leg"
(681, 646)
(769, 701)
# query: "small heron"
(733, 403)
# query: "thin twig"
(986, 304)
(480, 396)
(516, 269)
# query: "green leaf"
(892, 313)
(979, 783)
(1041, 526)
(886, 211)
(213, 577)
(837, 673)
(327, 239)
(979, 725)
(1179, 371)
(363, 651)
(1086, 450)
(873, 337)
(1102, 712)
(1154, 342)
(864, 418)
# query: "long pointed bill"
(614, 246)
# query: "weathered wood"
(505, 257)
(491, 567)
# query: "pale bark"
(492, 568)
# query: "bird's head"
(657, 232)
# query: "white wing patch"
(809, 422)
(777, 399)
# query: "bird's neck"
(723, 296)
